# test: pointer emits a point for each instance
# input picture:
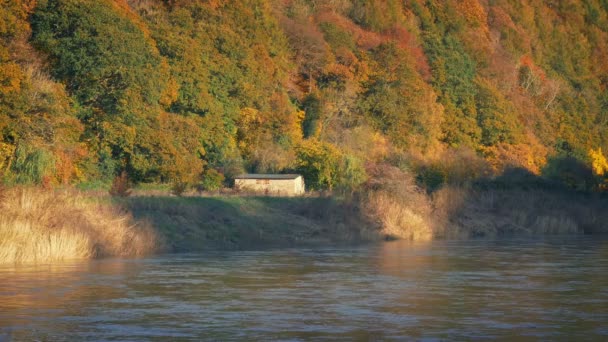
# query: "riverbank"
(489, 212)
(233, 222)
(40, 225)
(192, 224)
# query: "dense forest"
(194, 92)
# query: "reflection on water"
(552, 289)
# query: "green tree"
(319, 163)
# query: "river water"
(548, 289)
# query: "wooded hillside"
(193, 92)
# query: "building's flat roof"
(266, 176)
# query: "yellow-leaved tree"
(599, 165)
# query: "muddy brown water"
(533, 288)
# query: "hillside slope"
(182, 91)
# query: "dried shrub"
(402, 209)
(46, 183)
(178, 187)
(121, 186)
(3, 192)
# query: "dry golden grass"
(38, 226)
(398, 206)
(401, 210)
(399, 219)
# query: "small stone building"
(271, 184)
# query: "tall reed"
(399, 207)
(38, 226)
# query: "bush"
(431, 178)
(351, 173)
(319, 163)
(397, 205)
(463, 166)
(570, 172)
(121, 186)
(515, 177)
(212, 180)
(32, 164)
(2, 192)
(178, 187)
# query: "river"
(548, 289)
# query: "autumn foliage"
(184, 92)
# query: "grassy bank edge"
(40, 225)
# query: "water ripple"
(465, 290)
